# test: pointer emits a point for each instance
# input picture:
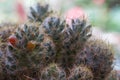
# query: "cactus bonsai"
(47, 48)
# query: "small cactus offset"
(81, 73)
(47, 48)
(114, 75)
(53, 72)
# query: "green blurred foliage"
(106, 16)
(113, 22)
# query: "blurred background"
(104, 15)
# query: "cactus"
(6, 29)
(39, 13)
(81, 73)
(47, 48)
(98, 56)
(114, 75)
(53, 72)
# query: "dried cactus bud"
(81, 73)
(53, 72)
(53, 27)
(79, 29)
(39, 13)
(76, 35)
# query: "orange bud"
(31, 45)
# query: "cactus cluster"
(47, 48)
